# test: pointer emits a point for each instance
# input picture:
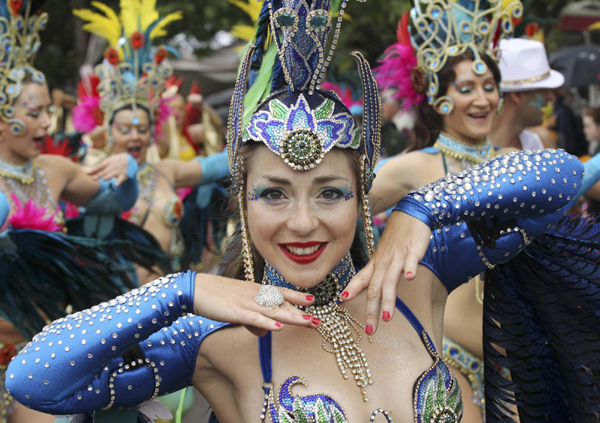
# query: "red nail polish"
(307, 317)
(409, 273)
(310, 297)
(386, 315)
(345, 295)
(316, 321)
(278, 324)
(369, 329)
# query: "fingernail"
(369, 329)
(386, 315)
(310, 297)
(345, 295)
(278, 324)
(316, 321)
(409, 273)
(307, 317)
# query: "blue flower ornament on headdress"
(20, 24)
(296, 119)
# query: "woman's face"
(32, 108)
(302, 222)
(131, 133)
(475, 99)
(590, 129)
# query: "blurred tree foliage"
(371, 29)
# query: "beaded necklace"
(471, 153)
(337, 325)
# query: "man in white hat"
(527, 83)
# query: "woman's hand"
(232, 301)
(401, 248)
(111, 167)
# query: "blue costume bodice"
(145, 343)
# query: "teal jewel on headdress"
(447, 28)
(20, 24)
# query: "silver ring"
(269, 296)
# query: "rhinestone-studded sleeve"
(524, 183)
(119, 353)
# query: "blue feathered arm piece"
(541, 309)
(116, 354)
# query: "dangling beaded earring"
(366, 209)
(246, 250)
(445, 105)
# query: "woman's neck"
(9, 156)
(326, 291)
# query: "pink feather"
(85, 114)
(32, 217)
(163, 113)
(394, 72)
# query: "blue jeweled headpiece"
(297, 120)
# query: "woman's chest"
(308, 375)
(157, 201)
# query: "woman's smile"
(303, 252)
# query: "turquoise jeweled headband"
(447, 28)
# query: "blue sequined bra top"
(436, 394)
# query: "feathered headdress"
(132, 74)
(443, 29)
(20, 24)
(298, 120)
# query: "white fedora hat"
(524, 66)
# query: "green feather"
(335, 6)
(262, 85)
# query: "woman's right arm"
(137, 346)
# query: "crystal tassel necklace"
(337, 325)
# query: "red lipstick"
(303, 259)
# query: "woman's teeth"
(479, 116)
(303, 251)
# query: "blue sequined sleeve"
(525, 184)
(116, 354)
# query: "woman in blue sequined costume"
(302, 172)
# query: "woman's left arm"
(515, 185)
(200, 170)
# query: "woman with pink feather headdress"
(449, 81)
